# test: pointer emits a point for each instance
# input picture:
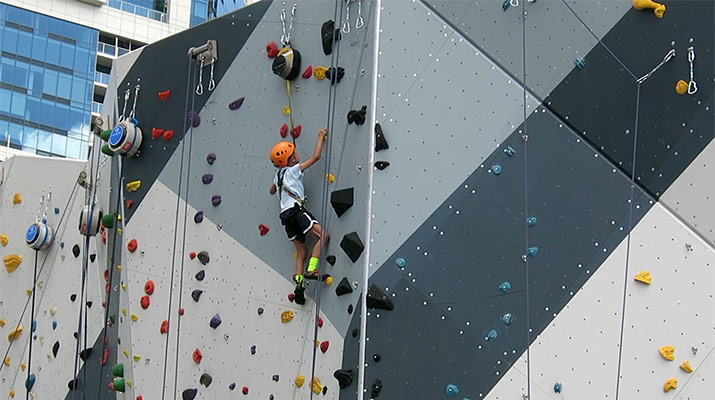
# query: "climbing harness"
(281, 188)
(692, 86)
(668, 57)
(346, 23)
(286, 36)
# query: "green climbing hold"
(118, 385)
(105, 134)
(106, 150)
(118, 370)
(108, 221)
(112, 318)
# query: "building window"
(201, 10)
(152, 9)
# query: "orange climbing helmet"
(281, 152)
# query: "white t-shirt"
(293, 181)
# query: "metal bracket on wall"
(208, 52)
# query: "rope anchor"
(692, 86)
(668, 56)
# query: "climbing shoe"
(298, 279)
(299, 294)
(315, 275)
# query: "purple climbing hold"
(189, 394)
(200, 275)
(198, 217)
(215, 321)
(216, 199)
(276, 378)
(194, 118)
(211, 158)
(207, 178)
(253, 349)
(232, 386)
(236, 104)
(196, 294)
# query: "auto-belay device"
(126, 137)
(39, 235)
(89, 220)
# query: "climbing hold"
(168, 135)
(510, 151)
(263, 229)
(207, 178)
(149, 287)
(644, 277)
(192, 255)
(352, 246)
(319, 72)
(376, 298)
(506, 318)
(253, 349)
(16, 199)
(33, 326)
(272, 50)
(2, 322)
(355, 332)
(30, 382)
(380, 139)
(492, 335)
(200, 275)
(531, 221)
(236, 104)
(164, 96)
(342, 200)
(357, 117)
(667, 352)
(55, 349)
(286, 316)
(344, 377)
(196, 294)
(244, 390)
(215, 321)
(284, 130)
(198, 217)
(329, 35)
(557, 387)
(211, 158)
(75, 250)
(156, 132)
(134, 317)
(194, 119)
(658, 9)
(335, 75)
(579, 62)
(532, 251)
(276, 378)
(316, 386)
(295, 132)
(130, 204)
(376, 388)
(133, 186)
(4, 240)
(203, 257)
(671, 383)
(144, 302)
(118, 370)
(197, 356)
(205, 379)
(343, 287)
(320, 322)
(401, 263)
(53, 311)
(381, 165)
(504, 287)
(132, 245)
(106, 150)
(350, 309)
(286, 110)
(215, 200)
(496, 169)
(308, 72)
(232, 386)
(7, 361)
(189, 394)
(328, 280)
(685, 366)
(681, 87)
(324, 346)
(259, 310)
(11, 262)
(92, 257)
(54, 325)
(291, 296)
(181, 311)
(108, 221)
(299, 380)
(452, 390)
(15, 333)
(330, 260)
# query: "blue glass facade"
(47, 70)
(154, 9)
(200, 8)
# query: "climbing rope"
(32, 322)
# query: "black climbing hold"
(356, 332)
(89, 304)
(376, 298)
(260, 310)
(74, 334)
(344, 287)
(350, 308)
(325, 390)
(376, 357)
(376, 388)
(92, 257)
(198, 217)
(85, 354)
(203, 256)
(330, 260)
(75, 250)
(200, 275)
(357, 117)
(205, 379)
(253, 350)
(381, 165)
(342, 200)
(73, 297)
(335, 76)
(207, 178)
(352, 246)
(189, 394)
(232, 386)
(344, 377)
(236, 104)
(329, 35)
(55, 348)
(72, 384)
(271, 397)
(380, 139)
(196, 294)
(276, 378)
(210, 158)
(194, 118)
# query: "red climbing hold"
(149, 287)
(272, 50)
(284, 130)
(197, 356)
(103, 361)
(324, 346)
(132, 245)
(320, 322)
(144, 302)
(106, 288)
(106, 275)
(245, 390)
(168, 135)
(164, 96)
(192, 255)
(105, 340)
(130, 203)
(165, 328)
(181, 311)
(291, 297)
(156, 132)
(264, 229)
(140, 397)
(308, 72)
(295, 132)
(104, 304)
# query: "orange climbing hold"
(132, 245)
(667, 352)
(149, 287)
(15, 333)
(643, 276)
(17, 199)
(197, 356)
(165, 328)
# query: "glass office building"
(201, 10)
(47, 70)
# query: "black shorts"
(297, 221)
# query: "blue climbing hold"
(62, 245)
(510, 151)
(505, 5)
(557, 387)
(54, 325)
(531, 221)
(496, 169)
(506, 318)
(579, 62)
(532, 251)
(492, 335)
(34, 326)
(452, 390)
(505, 287)
(401, 262)
(30, 382)
(57, 210)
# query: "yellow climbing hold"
(685, 366)
(126, 353)
(124, 312)
(4, 239)
(658, 9)
(17, 199)
(137, 357)
(119, 267)
(124, 287)
(328, 281)
(12, 394)
(53, 311)
(299, 380)
(671, 383)
(23, 367)
(643, 276)
(134, 318)
(15, 333)
(120, 231)
(2, 322)
(681, 87)
(286, 316)
(319, 72)
(330, 178)
(119, 217)
(7, 361)
(133, 186)
(40, 284)
(317, 387)
(286, 110)
(29, 292)
(129, 382)
(12, 262)
(667, 352)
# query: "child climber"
(298, 221)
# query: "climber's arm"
(272, 190)
(322, 135)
